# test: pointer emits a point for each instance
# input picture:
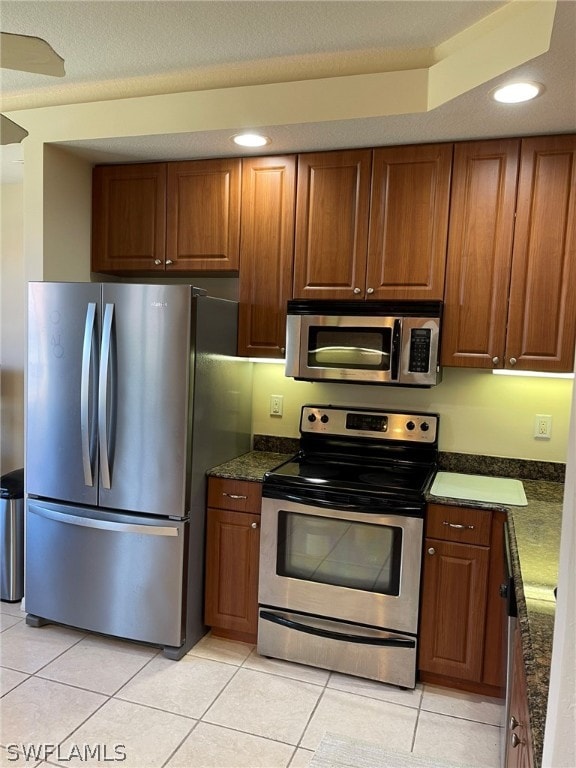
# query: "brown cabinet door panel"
(542, 319)
(409, 222)
(203, 215)
(232, 549)
(128, 217)
(332, 207)
(496, 618)
(483, 201)
(266, 254)
(453, 609)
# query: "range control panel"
(333, 421)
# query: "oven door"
(345, 565)
(343, 348)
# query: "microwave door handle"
(396, 350)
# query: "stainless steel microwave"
(364, 342)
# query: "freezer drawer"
(117, 574)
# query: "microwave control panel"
(420, 341)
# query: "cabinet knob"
(254, 525)
(513, 723)
(370, 290)
(495, 360)
(169, 261)
(357, 290)
(431, 551)
(513, 361)
(515, 740)
(157, 262)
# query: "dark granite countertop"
(534, 542)
(249, 466)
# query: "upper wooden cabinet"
(512, 255)
(332, 209)
(542, 315)
(173, 217)
(372, 224)
(129, 217)
(203, 215)
(409, 222)
(266, 251)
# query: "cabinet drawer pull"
(234, 495)
(460, 526)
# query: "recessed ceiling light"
(250, 140)
(515, 93)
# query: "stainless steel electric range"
(341, 542)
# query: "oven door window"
(339, 552)
(346, 347)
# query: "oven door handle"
(396, 508)
(396, 642)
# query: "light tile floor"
(100, 701)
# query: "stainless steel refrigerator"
(133, 392)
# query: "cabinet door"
(542, 318)
(332, 207)
(128, 217)
(453, 609)
(232, 550)
(495, 636)
(409, 222)
(480, 240)
(519, 747)
(266, 254)
(203, 216)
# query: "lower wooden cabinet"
(232, 554)
(519, 749)
(462, 619)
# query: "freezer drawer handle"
(396, 642)
(87, 419)
(103, 395)
(105, 525)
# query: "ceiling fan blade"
(10, 132)
(29, 54)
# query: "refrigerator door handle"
(105, 525)
(86, 422)
(103, 395)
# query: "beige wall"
(480, 413)
(12, 329)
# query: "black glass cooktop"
(392, 479)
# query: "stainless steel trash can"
(12, 536)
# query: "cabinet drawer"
(237, 495)
(462, 524)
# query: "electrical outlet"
(276, 405)
(542, 426)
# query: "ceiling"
(117, 49)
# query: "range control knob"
(312, 417)
(424, 426)
(410, 426)
(324, 419)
